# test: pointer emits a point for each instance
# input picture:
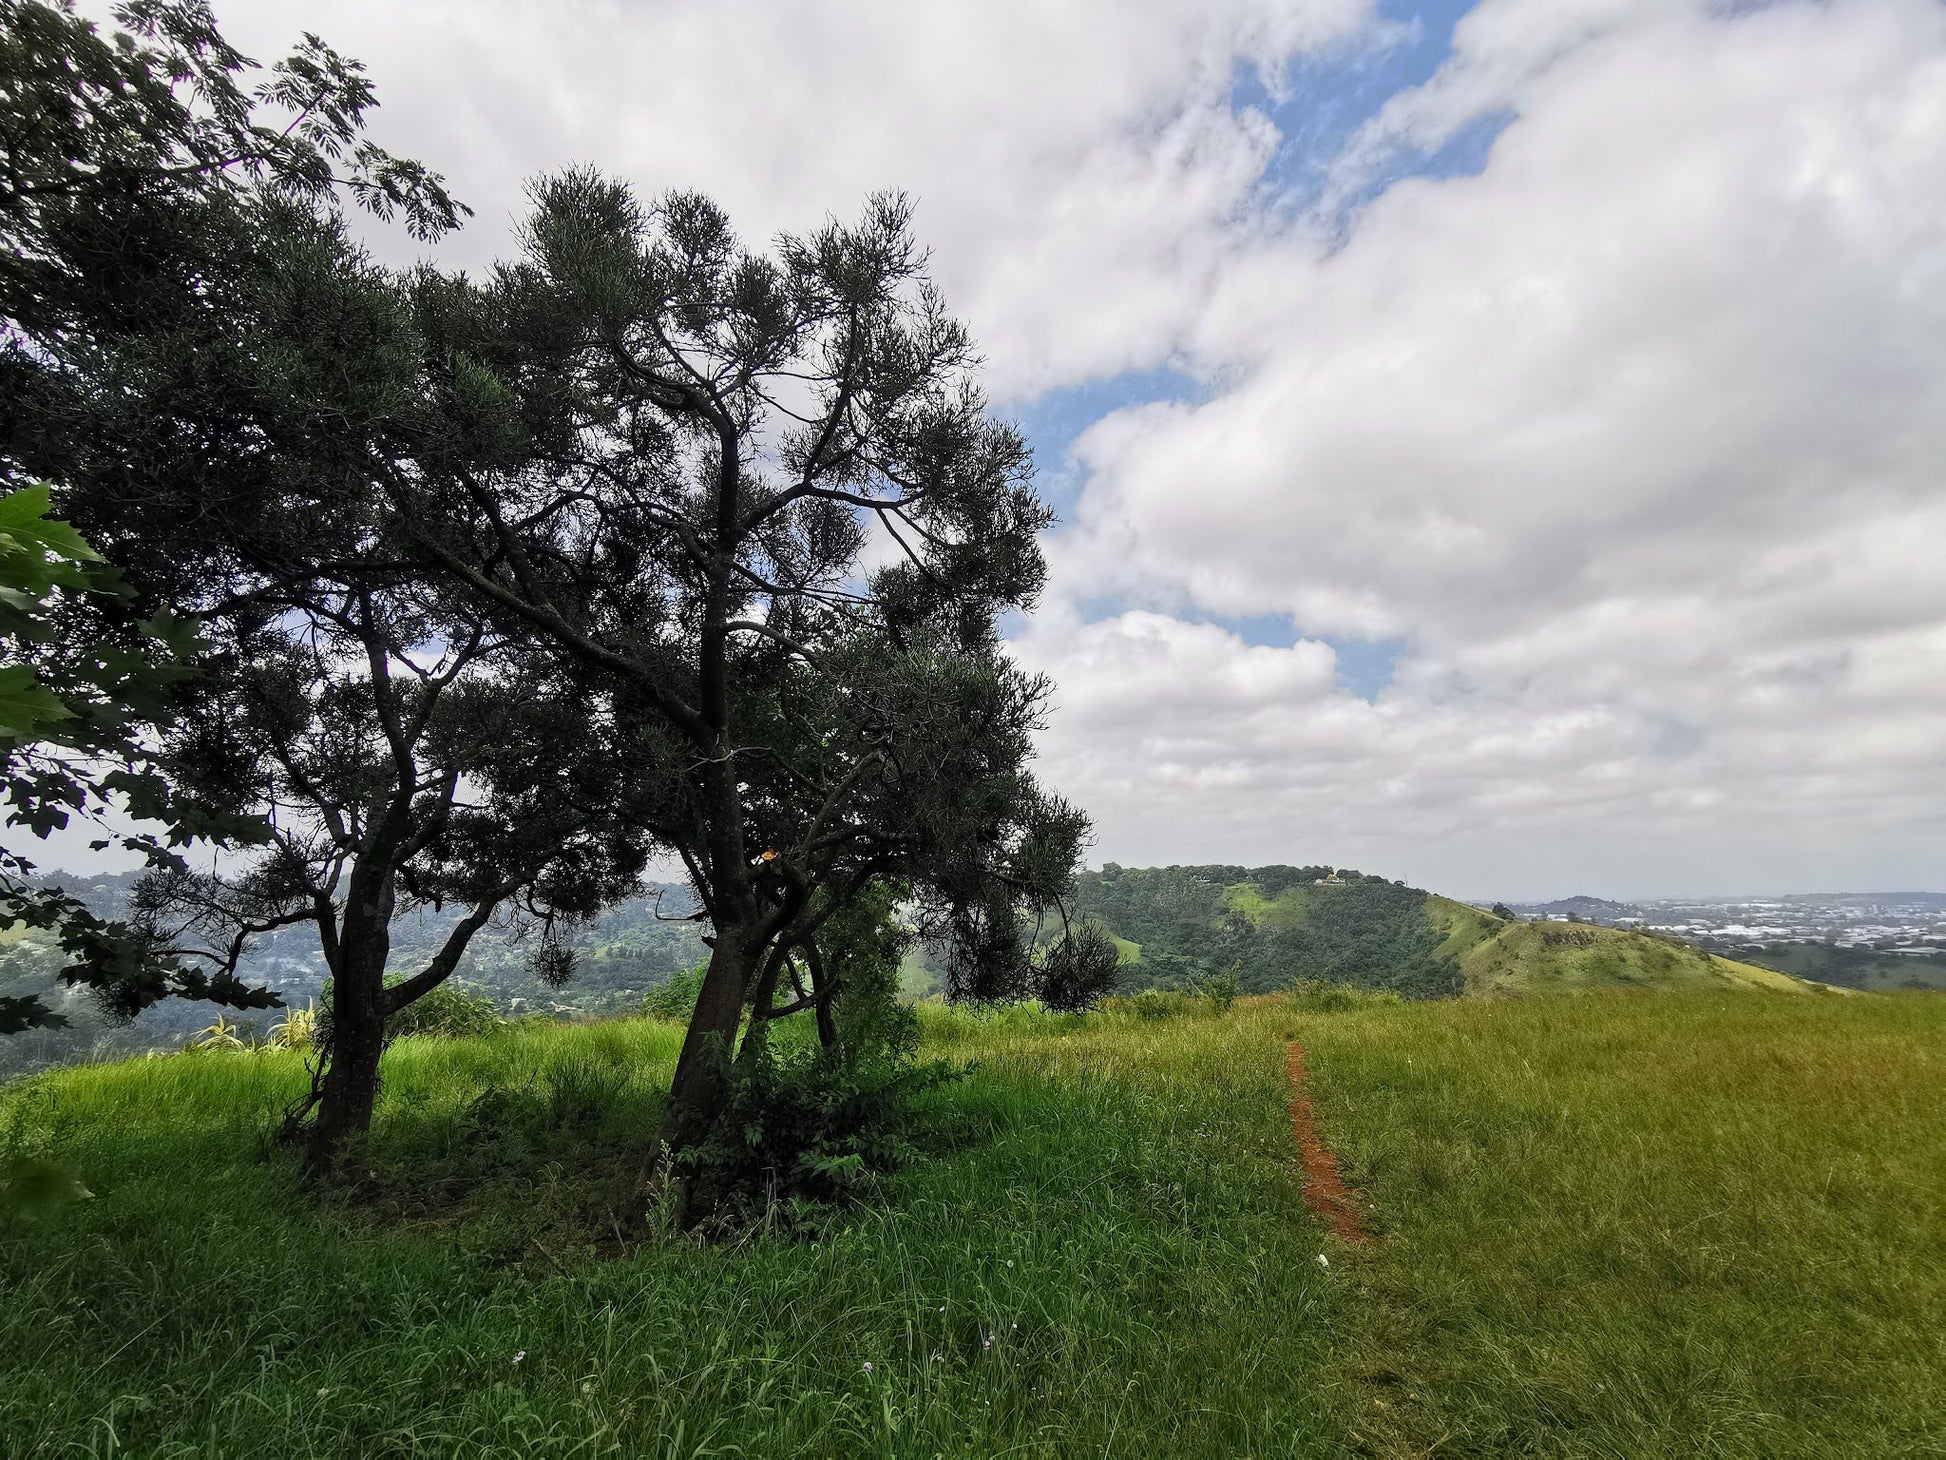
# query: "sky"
(1497, 445)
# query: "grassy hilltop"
(1687, 1225)
(1277, 925)
(1509, 956)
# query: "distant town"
(1868, 940)
(1908, 923)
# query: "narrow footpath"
(1324, 1188)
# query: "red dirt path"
(1324, 1188)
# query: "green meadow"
(1617, 1224)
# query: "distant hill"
(1271, 925)
(619, 956)
(1854, 968)
(1596, 909)
(1275, 925)
(1513, 956)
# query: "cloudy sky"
(1497, 444)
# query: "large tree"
(218, 381)
(771, 512)
(403, 755)
(400, 749)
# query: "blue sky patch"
(1367, 666)
(1318, 106)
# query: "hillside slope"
(1268, 925)
(1273, 926)
(619, 954)
(1499, 956)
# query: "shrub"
(1212, 995)
(28, 1182)
(1321, 996)
(805, 1123)
(222, 1035)
(296, 1030)
(804, 1126)
(1219, 991)
(1081, 969)
(675, 999)
(443, 1011)
(1159, 1004)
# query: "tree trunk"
(702, 1069)
(827, 1022)
(349, 1088)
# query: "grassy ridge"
(1275, 926)
(1498, 956)
(1271, 926)
(1682, 1224)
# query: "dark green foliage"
(505, 579)
(1160, 1003)
(218, 383)
(809, 1122)
(628, 491)
(74, 709)
(803, 1125)
(1268, 926)
(1321, 996)
(862, 947)
(1219, 992)
(1202, 995)
(30, 1183)
(1082, 969)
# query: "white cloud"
(1077, 165)
(1636, 438)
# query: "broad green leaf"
(27, 707)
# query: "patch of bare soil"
(1325, 1191)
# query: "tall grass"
(1646, 1224)
(1069, 1273)
(1609, 1226)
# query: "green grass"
(1291, 908)
(1647, 1224)
(1614, 1225)
(1107, 1209)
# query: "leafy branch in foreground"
(138, 166)
(75, 715)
